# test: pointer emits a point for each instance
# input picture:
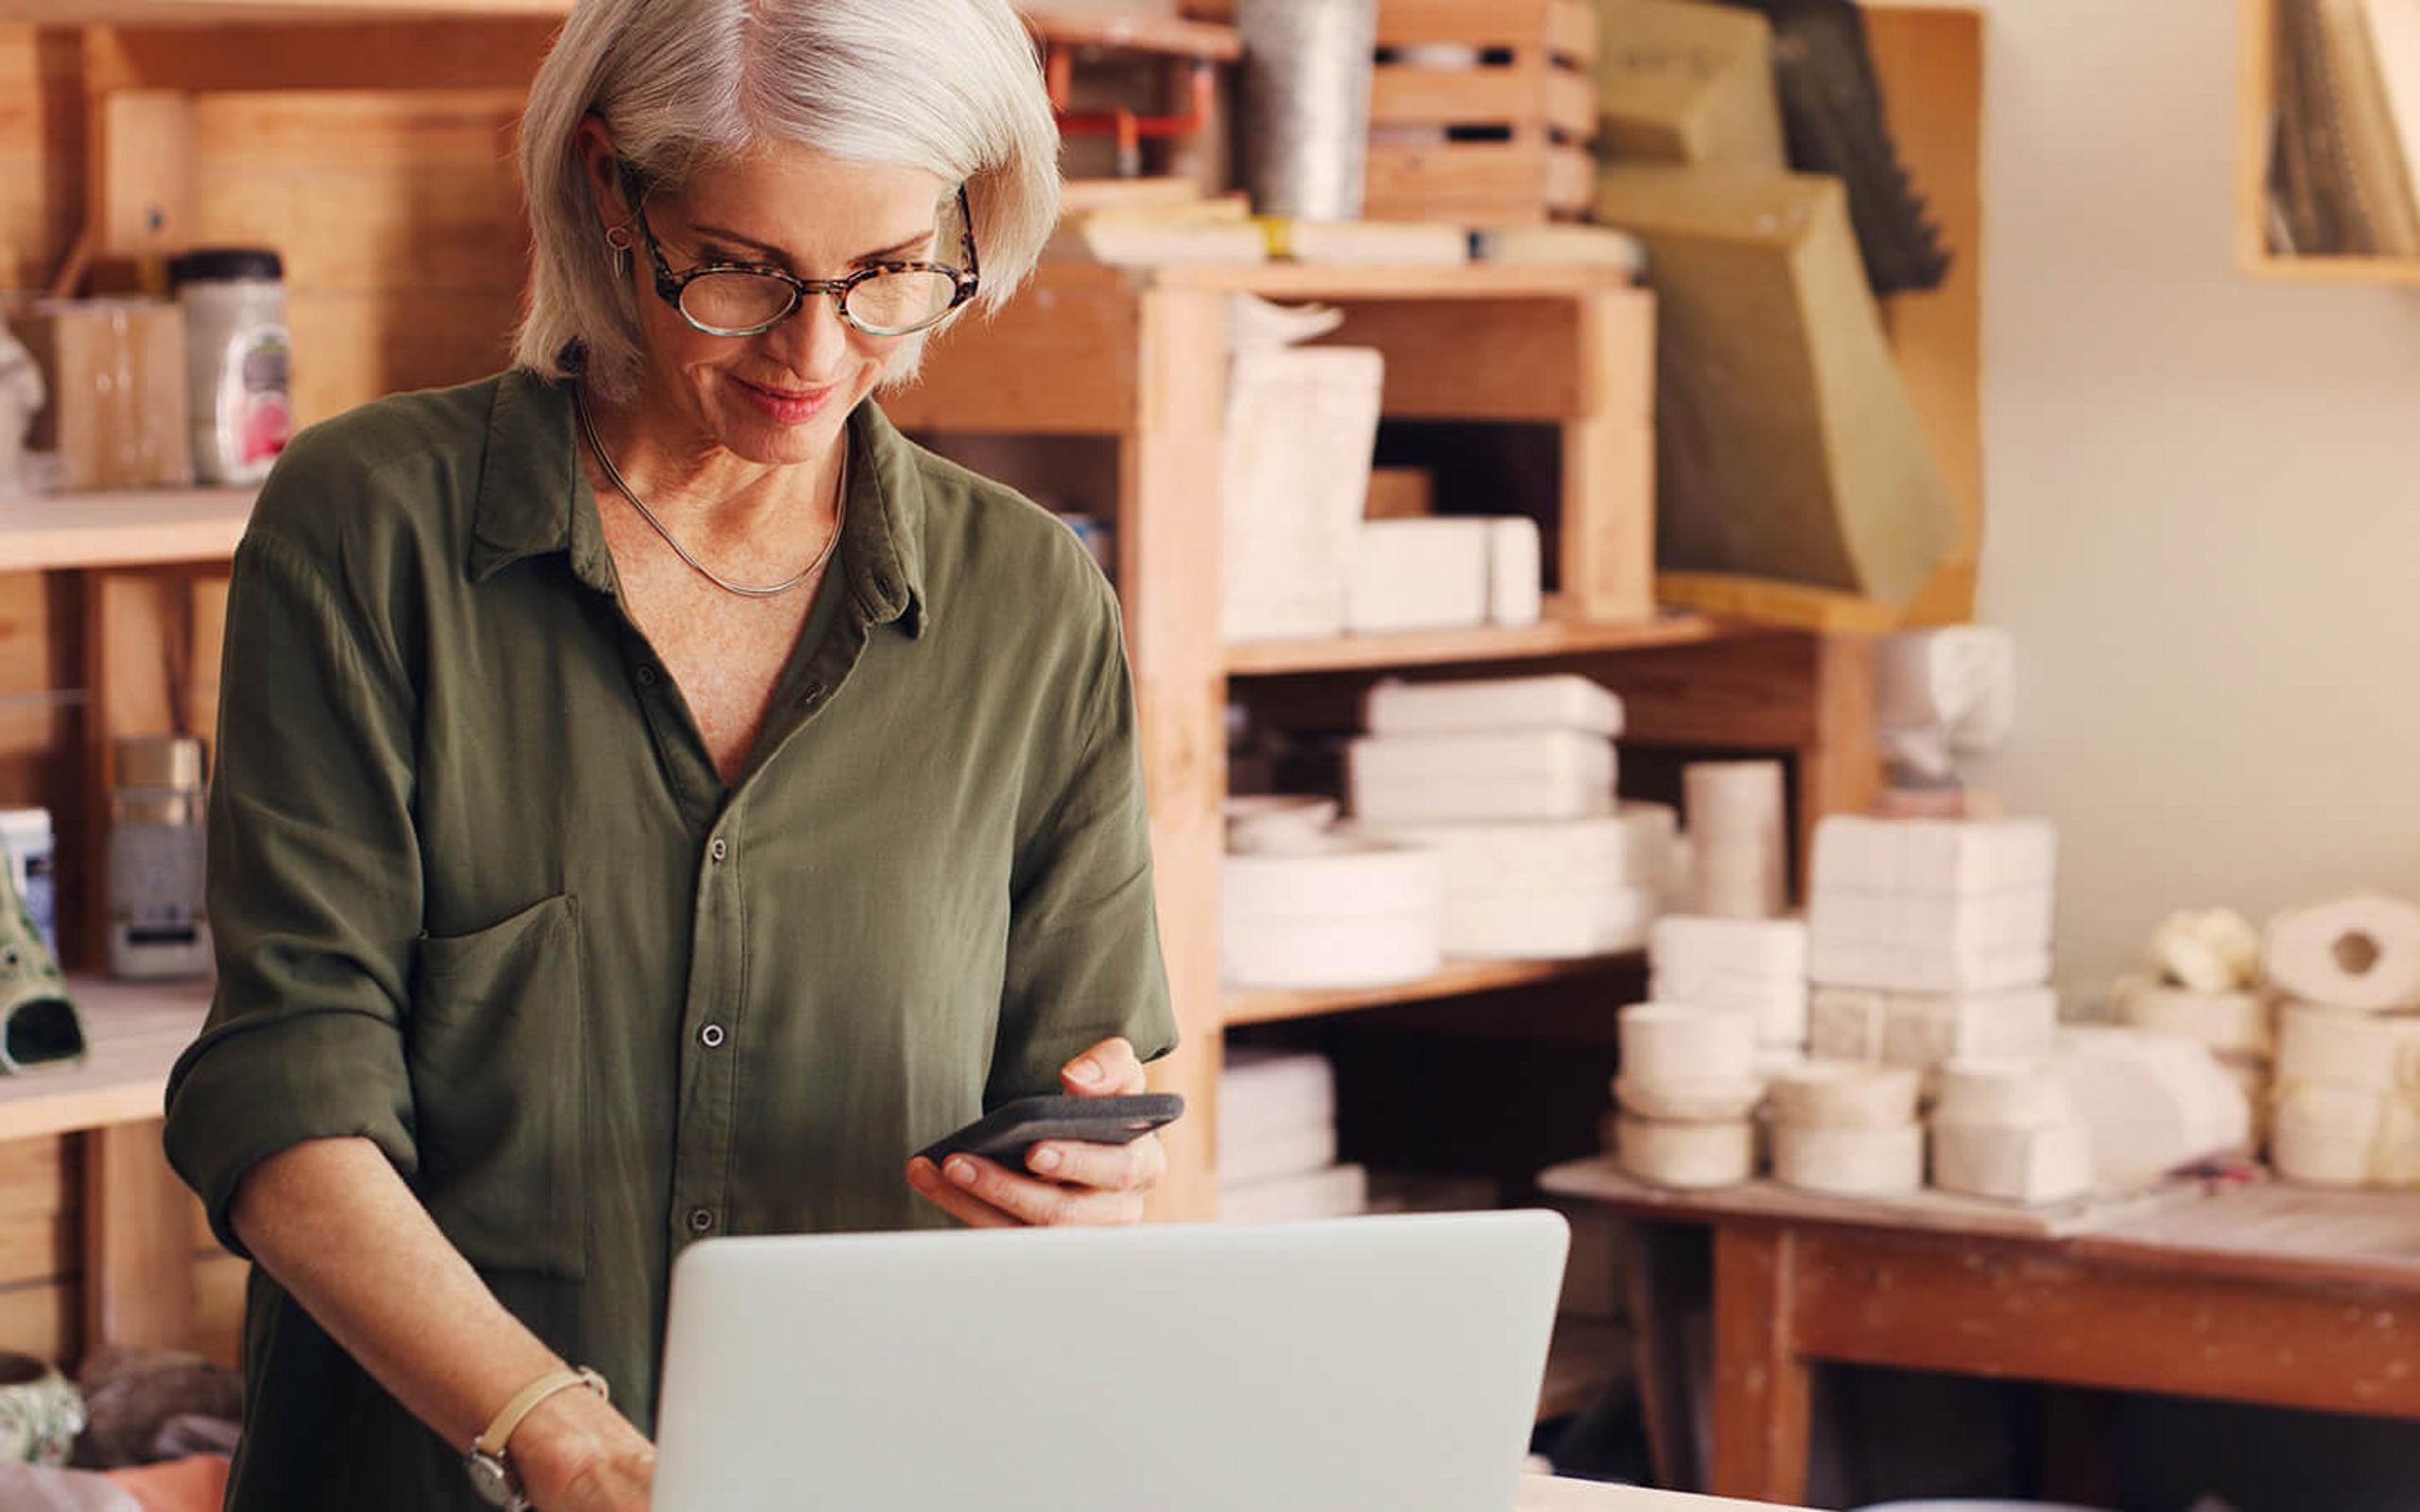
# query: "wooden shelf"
(136, 528)
(1458, 979)
(135, 1031)
(1553, 636)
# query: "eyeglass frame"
(670, 284)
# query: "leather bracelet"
(491, 1472)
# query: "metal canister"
(158, 928)
(1306, 75)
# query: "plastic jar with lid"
(237, 358)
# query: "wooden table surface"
(2250, 1290)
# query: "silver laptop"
(1391, 1363)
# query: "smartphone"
(1007, 1132)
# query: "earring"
(618, 239)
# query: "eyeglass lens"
(887, 302)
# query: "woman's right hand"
(576, 1454)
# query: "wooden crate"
(1503, 143)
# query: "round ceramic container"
(41, 1411)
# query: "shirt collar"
(533, 501)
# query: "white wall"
(2203, 498)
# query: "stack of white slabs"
(1548, 889)
(1340, 912)
(1536, 748)
(2010, 1130)
(1751, 966)
(1932, 905)
(1687, 1088)
(1509, 781)
(1930, 939)
(1924, 1029)
(1276, 1141)
(1848, 1128)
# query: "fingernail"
(1043, 1160)
(1087, 1071)
(920, 1175)
(962, 1172)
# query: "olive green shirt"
(480, 895)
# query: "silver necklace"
(839, 513)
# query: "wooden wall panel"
(42, 147)
(31, 726)
(399, 218)
(38, 1318)
(21, 160)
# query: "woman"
(653, 796)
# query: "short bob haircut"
(952, 87)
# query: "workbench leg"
(138, 1242)
(1169, 542)
(1666, 1277)
(1760, 1382)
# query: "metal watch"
(495, 1481)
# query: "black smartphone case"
(1007, 1132)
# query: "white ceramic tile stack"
(2347, 1099)
(2009, 1130)
(1929, 941)
(1687, 1089)
(1341, 912)
(1751, 966)
(2206, 985)
(1442, 573)
(1276, 1141)
(1511, 780)
(1847, 1127)
(1738, 838)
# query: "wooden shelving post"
(1168, 561)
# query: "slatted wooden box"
(1502, 142)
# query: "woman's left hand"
(1070, 1182)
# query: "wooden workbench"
(2250, 1292)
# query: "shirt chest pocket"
(498, 1060)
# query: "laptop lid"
(1328, 1366)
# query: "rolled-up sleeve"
(314, 882)
(1084, 950)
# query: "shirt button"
(720, 849)
(645, 676)
(711, 1036)
(701, 1219)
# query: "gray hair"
(952, 87)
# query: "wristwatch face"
(492, 1478)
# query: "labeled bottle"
(157, 927)
(237, 357)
